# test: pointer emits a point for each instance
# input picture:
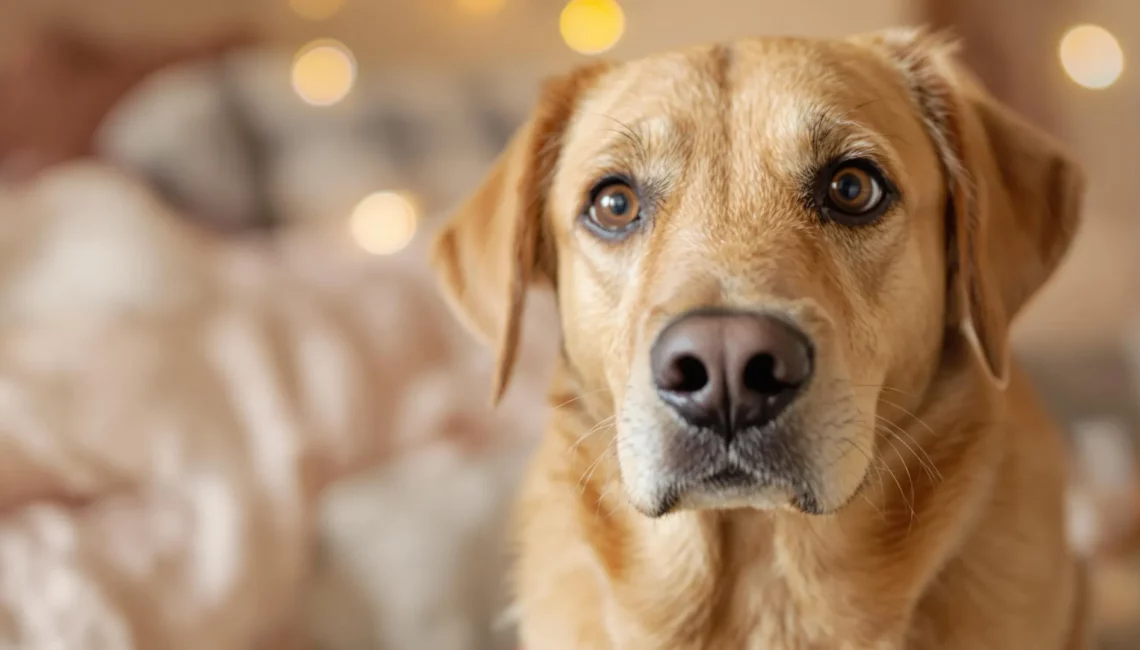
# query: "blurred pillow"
(178, 130)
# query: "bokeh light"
(383, 223)
(316, 9)
(591, 26)
(480, 7)
(324, 72)
(1091, 56)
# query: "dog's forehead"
(754, 105)
(760, 82)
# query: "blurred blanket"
(231, 144)
(172, 408)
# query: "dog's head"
(751, 243)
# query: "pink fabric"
(171, 406)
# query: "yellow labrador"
(786, 413)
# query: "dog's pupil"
(617, 204)
(849, 187)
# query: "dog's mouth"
(732, 487)
(761, 470)
(765, 472)
(729, 477)
(726, 486)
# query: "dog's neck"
(691, 573)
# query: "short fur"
(926, 506)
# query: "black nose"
(729, 370)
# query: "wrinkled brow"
(629, 142)
(653, 149)
(833, 135)
(637, 142)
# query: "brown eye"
(614, 207)
(854, 191)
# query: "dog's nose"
(729, 371)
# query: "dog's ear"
(1014, 194)
(495, 246)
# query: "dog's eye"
(855, 193)
(614, 206)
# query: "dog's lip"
(726, 479)
(732, 479)
(729, 476)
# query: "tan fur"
(941, 477)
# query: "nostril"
(762, 375)
(689, 375)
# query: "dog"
(786, 415)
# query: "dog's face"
(752, 243)
(737, 231)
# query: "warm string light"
(1091, 56)
(383, 223)
(324, 72)
(591, 26)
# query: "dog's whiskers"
(601, 499)
(898, 432)
(923, 459)
(909, 476)
(579, 397)
(921, 422)
(589, 472)
(894, 476)
(872, 463)
(885, 388)
(603, 424)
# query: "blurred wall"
(439, 31)
(1091, 305)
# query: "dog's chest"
(763, 608)
(751, 616)
(747, 597)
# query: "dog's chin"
(769, 470)
(729, 489)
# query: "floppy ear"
(1014, 195)
(495, 246)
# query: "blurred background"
(350, 127)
